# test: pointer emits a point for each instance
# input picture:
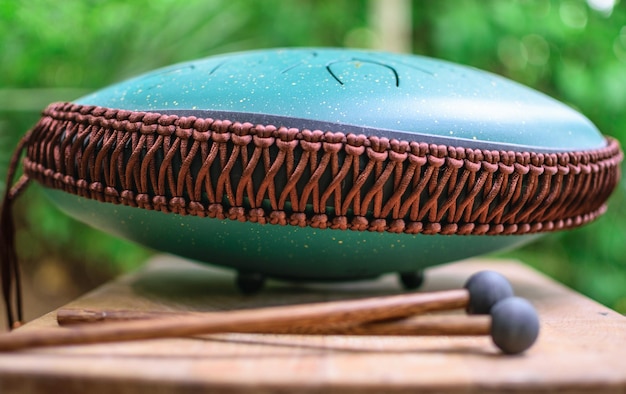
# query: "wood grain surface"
(580, 348)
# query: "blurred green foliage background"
(573, 50)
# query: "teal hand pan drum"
(322, 164)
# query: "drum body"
(323, 164)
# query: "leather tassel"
(9, 266)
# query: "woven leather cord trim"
(225, 169)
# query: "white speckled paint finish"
(404, 93)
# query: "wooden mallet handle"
(254, 320)
(424, 325)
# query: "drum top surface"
(390, 95)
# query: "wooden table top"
(580, 348)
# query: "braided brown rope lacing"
(267, 174)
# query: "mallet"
(480, 294)
(481, 291)
(513, 325)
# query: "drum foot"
(411, 280)
(250, 282)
